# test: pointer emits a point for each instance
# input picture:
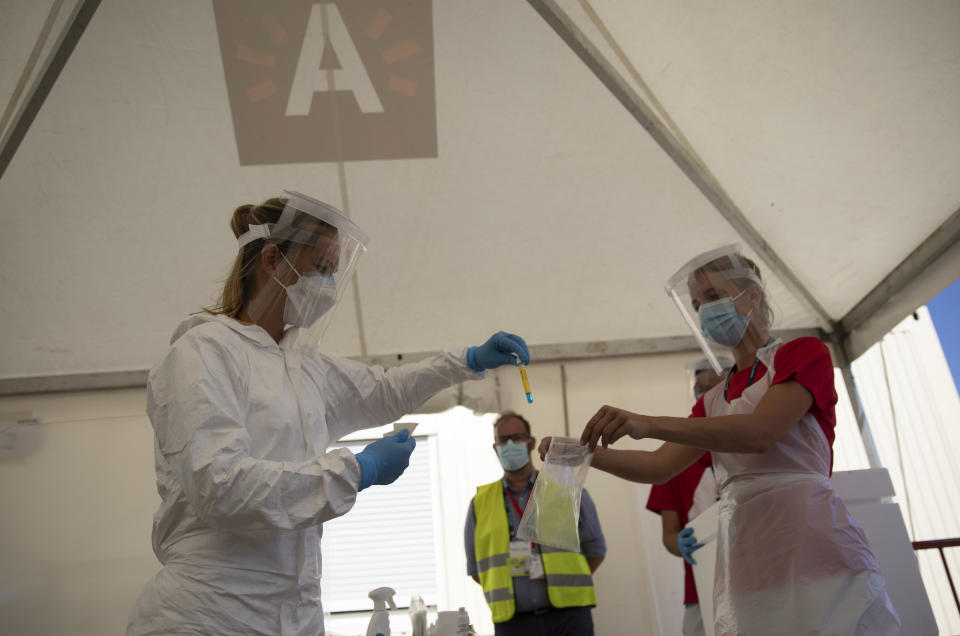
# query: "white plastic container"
(464, 628)
(446, 624)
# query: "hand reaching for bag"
(610, 424)
(544, 447)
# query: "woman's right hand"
(610, 424)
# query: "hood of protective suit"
(253, 333)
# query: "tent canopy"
(503, 183)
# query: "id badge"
(536, 566)
(519, 558)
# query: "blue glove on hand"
(498, 351)
(688, 545)
(383, 461)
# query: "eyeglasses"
(516, 437)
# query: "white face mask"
(309, 298)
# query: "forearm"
(670, 520)
(594, 563)
(246, 493)
(634, 465)
(372, 396)
(777, 412)
(741, 433)
(671, 543)
(408, 386)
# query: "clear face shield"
(721, 298)
(305, 263)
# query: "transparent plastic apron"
(790, 558)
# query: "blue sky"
(945, 312)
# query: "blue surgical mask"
(721, 323)
(513, 455)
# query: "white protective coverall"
(790, 558)
(241, 431)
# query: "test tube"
(526, 384)
(523, 377)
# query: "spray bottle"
(380, 620)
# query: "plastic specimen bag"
(553, 509)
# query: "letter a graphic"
(310, 78)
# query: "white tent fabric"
(548, 209)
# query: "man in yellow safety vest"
(531, 588)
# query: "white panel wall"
(76, 516)
(914, 408)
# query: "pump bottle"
(380, 620)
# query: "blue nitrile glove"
(497, 352)
(688, 545)
(383, 461)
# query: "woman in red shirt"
(790, 558)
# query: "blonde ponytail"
(238, 287)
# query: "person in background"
(704, 377)
(790, 557)
(244, 405)
(532, 590)
(685, 496)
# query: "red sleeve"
(664, 497)
(669, 496)
(699, 410)
(807, 361)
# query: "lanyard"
(516, 507)
(753, 375)
(753, 372)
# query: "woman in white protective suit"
(244, 406)
(790, 558)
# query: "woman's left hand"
(544, 447)
(610, 424)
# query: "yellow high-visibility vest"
(569, 583)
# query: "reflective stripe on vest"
(568, 579)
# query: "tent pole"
(47, 77)
(696, 171)
(27, 71)
(846, 370)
